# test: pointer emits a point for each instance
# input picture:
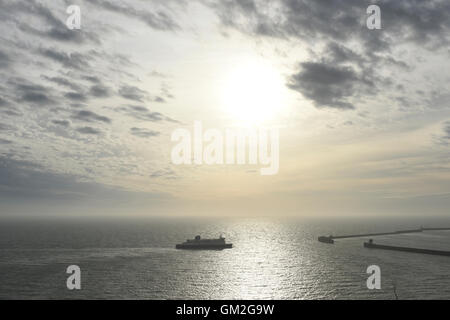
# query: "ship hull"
(204, 246)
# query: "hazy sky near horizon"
(86, 115)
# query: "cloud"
(444, 139)
(76, 96)
(165, 173)
(29, 92)
(100, 91)
(142, 113)
(166, 92)
(5, 61)
(157, 19)
(63, 123)
(157, 74)
(3, 102)
(159, 99)
(92, 79)
(416, 21)
(63, 82)
(72, 60)
(60, 33)
(89, 116)
(37, 97)
(336, 53)
(338, 39)
(27, 180)
(447, 130)
(88, 130)
(132, 93)
(3, 141)
(6, 127)
(46, 23)
(11, 112)
(326, 85)
(76, 36)
(144, 133)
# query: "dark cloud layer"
(89, 116)
(165, 173)
(51, 26)
(5, 60)
(76, 96)
(447, 130)
(63, 82)
(5, 141)
(63, 123)
(37, 98)
(88, 131)
(3, 102)
(326, 85)
(6, 127)
(30, 92)
(142, 113)
(132, 93)
(27, 180)
(156, 19)
(46, 64)
(344, 66)
(100, 91)
(409, 20)
(72, 60)
(144, 133)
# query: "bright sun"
(253, 93)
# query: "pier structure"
(330, 238)
(372, 245)
(435, 229)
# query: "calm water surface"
(271, 259)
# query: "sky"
(86, 116)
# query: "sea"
(271, 259)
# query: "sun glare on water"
(253, 93)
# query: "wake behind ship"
(199, 243)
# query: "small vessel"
(199, 243)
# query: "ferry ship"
(199, 243)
